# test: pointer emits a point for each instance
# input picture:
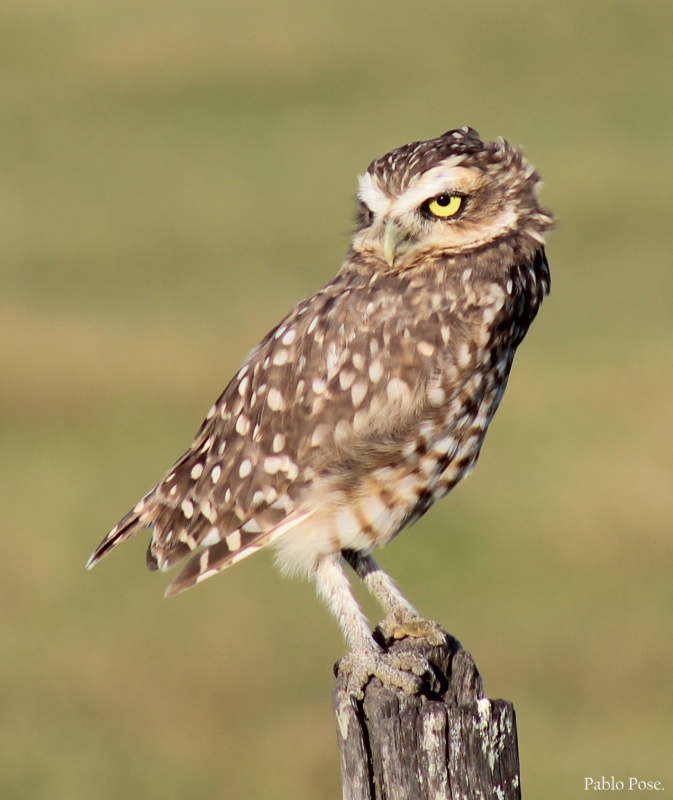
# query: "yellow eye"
(445, 205)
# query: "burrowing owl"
(371, 399)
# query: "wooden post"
(448, 742)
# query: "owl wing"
(351, 366)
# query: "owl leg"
(365, 658)
(401, 618)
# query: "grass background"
(173, 178)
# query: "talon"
(413, 627)
(401, 670)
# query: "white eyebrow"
(447, 177)
(371, 194)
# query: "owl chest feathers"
(436, 353)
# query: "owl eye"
(444, 205)
(363, 216)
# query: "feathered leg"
(365, 657)
(401, 618)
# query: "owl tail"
(123, 530)
(229, 551)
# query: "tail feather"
(230, 550)
(124, 529)
(173, 540)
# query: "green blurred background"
(174, 176)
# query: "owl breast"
(480, 325)
(449, 339)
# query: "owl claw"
(393, 628)
(400, 670)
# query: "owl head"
(447, 196)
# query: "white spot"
(280, 332)
(425, 348)
(205, 573)
(467, 274)
(197, 471)
(289, 337)
(359, 392)
(242, 425)
(215, 474)
(318, 385)
(396, 389)
(283, 503)
(233, 541)
(464, 355)
(312, 325)
(252, 526)
(346, 378)
(275, 400)
(211, 412)
(281, 357)
(375, 371)
(187, 508)
(211, 538)
(206, 508)
(272, 465)
(291, 469)
(278, 443)
(488, 314)
(245, 469)
(243, 386)
(270, 494)
(319, 435)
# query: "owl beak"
(391, 240)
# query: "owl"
(370, 400)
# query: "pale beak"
(391, 239)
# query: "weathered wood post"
(449, 742)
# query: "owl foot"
(401, 670)
(393, 628)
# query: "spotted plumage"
(371, 399)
